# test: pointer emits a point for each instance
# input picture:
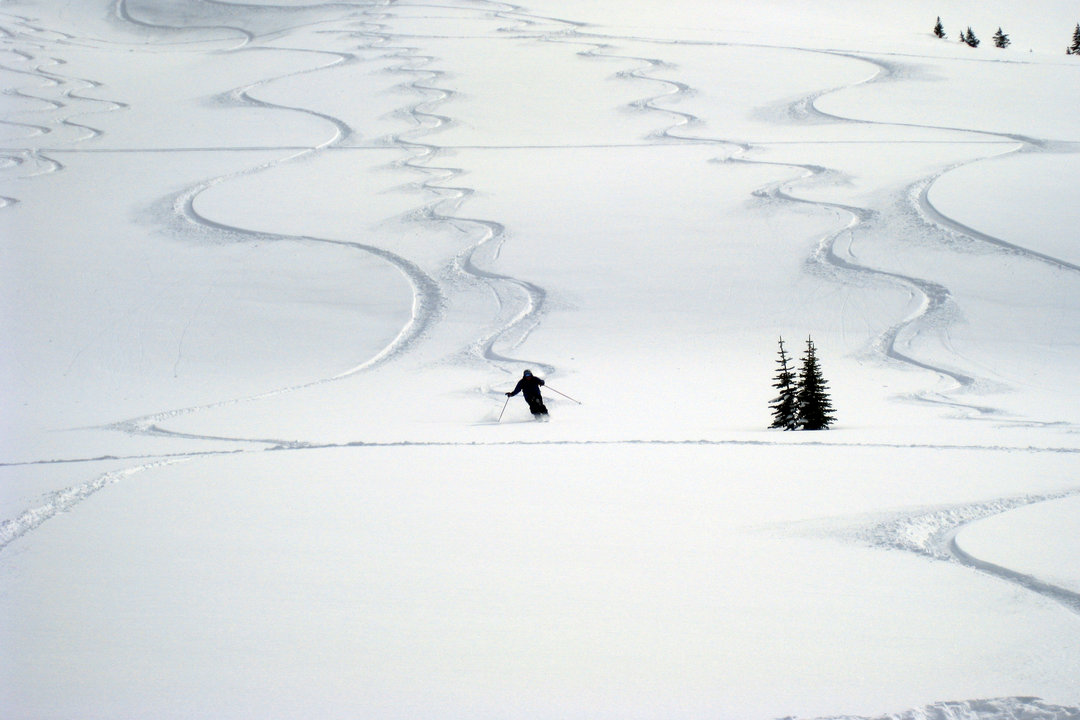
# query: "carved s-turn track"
(934, 306)
(936, 301)
(427, 297)
(520, 302)
(123, 12)
(933, 533)
(426, 294)
(26, 40)
(937, 304)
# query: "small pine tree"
(970, 38)
(785, 406)
(1001, 40)
(1074, 49)
(963, 36)
(939, 29)
(815, 407)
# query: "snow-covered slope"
(269, 267)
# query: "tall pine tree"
(1001, 40)
(785, 406)
(1074, 49)
(939, 29)
(814, 406)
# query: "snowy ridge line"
(933, 534)
(277, 445)
(64, 500)
(523, 314)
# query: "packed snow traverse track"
(271, 267)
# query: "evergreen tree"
(970, 38)
(785, 406)
(1074, 49)
(939, 29)
(963, 36)
(815, 407)
(1001, 40)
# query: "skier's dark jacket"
(529, 386)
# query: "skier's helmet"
(528, 373)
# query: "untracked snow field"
(267, 269)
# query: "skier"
(529, 387)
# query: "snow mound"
(1015, 708)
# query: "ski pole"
(504, 408)
(563, 394)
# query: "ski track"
(428, 301)
(28, 42)
(123, 13)
(61, 501)
(520, 302)
(281, 444)
(935, 307)
(932, 534)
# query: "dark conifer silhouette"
(785, 406)
(1074, 49)
(1001, 40)
(939, 29)
(815, 407)
(970, 38)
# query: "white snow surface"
(268, 268)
